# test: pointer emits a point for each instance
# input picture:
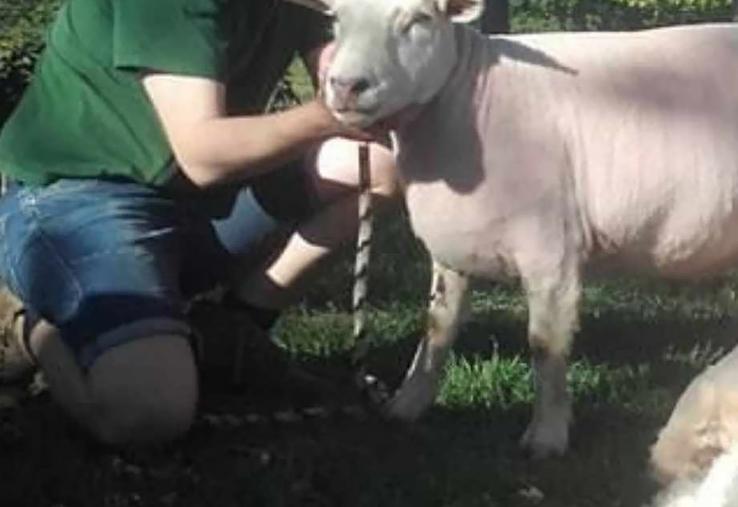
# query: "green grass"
(641, 342)
(638, 348)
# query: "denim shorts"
(108, 262)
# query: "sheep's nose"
(348, 88)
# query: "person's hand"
(335, 128)
(376, 132)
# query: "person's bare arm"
(211, 147)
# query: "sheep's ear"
(461, 11)
(318, 5)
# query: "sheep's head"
(389, 54)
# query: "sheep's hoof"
(546, 441)
(410, 402)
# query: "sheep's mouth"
(365, 111)
(356, 116)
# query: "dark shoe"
(16, 359)
(235, 352)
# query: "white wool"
(717, 488)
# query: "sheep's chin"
(355, 118)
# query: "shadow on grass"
(462, 456)
(451, 458)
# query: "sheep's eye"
(422, 17)
(416, 18)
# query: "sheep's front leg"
(447, 304)
(553, 319)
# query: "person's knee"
(143, 392)
(384, 178)
(336, 163)
(167, 421)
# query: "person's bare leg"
(335, 179)
(140, 392)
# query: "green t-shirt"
(85, 113)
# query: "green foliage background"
(22, 27)
(540, 15)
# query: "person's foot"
(16, 359)
(236, 351)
